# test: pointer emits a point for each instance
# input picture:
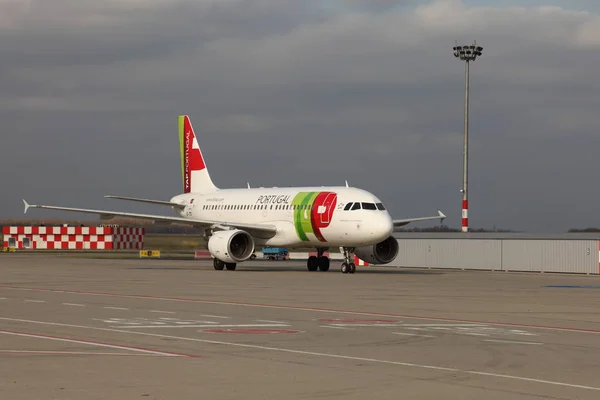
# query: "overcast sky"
(305, 92)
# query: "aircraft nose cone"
(385, 227)
(388, 225)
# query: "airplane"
(235, 221)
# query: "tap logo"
(191, 158)
(188, 145)
(313, 211)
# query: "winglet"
(26, 206)
(442, 215)
(346, 183)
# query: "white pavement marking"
(112, 346)
(445, 325)
(163, 312)
(327, 355)
(116, 308)
(511, 341)
(412, 334)
(369, 325)
(447, 329)
(76, 353)
(2, 298)
(270, 322)
(186, 322)
(201, 326)
(73, 304)
(299, 308)
(34, 301)
(213, 316)
(336, 327)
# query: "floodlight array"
(467, 53)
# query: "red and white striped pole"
(465, 200)
(465, 216)
(466, 54)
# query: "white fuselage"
(304, 216)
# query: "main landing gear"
(219, 265)
(348, 266)
(318, 262)
(321, 262)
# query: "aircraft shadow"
(253, 269)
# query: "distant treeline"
(575, 230)
(184, 229)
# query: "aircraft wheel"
(351, 268)
(230, 266)
(344, 268)
(313, 263)
(218, 264)
(324, 263)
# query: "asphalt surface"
(74, 328)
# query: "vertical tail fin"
(193, 168)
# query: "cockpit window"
(356, 206)
(380, 206)
(348, 206)
(368, 206)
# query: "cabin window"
(369, 206)
(356, 206)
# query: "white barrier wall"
(569, 253)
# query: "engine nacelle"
(231, 246)
(381, 253)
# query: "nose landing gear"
(348, 266)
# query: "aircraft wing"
(402, 222)
(160, 202)
(258, 230)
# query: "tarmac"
(77, 328)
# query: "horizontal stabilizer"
(402, 222)
(159, 202)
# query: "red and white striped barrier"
(358, 261)
(202, 255)
(73, 237)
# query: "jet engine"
(381, 253)
(231, 246)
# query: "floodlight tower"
(466, 54)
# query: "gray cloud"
(325, 91)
